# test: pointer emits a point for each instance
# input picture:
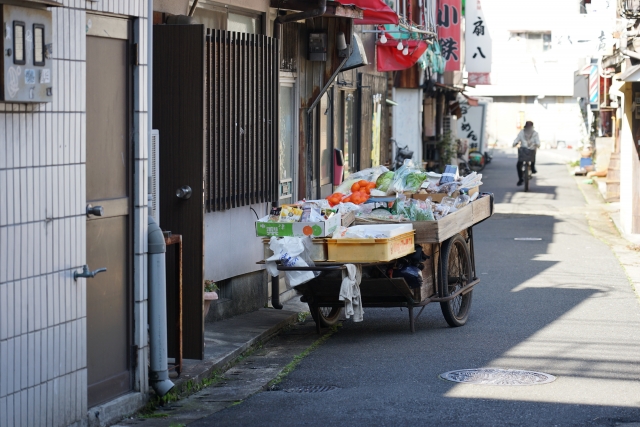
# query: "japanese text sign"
(449, 20)
(471, 125)
(477, 43)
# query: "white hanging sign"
(477, 44)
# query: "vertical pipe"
(149, 89)
(159, 372)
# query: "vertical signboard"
(449, 20)
(471, 125)
(477, 44)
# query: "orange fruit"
(355, 187)
(363, 183)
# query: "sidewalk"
(226, 340)
(604, 220)
(242, 356)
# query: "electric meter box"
(27, 74)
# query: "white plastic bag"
(290, 251)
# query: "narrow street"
(561, 305)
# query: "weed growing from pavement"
(302, 316)
(154, 416)
(298, 358)
(190, 387)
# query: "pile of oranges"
(360, 193)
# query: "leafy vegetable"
(384, 181)
(414, 180)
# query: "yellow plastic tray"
(370, 250)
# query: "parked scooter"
(402, 154)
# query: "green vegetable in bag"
(414, 180)
(384, 181)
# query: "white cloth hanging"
(350, 292)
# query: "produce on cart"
(412, 244)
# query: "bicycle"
(526, 156)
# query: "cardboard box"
(298, 229)
(437, 197)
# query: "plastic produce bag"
(291, 252)
(370, 174)
(421, 210)
(384, 181)
(408, 177)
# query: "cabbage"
(414, 180)
(384, 181)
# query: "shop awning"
(631, 74)
(374, 11)
(389, 58)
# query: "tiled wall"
(43, 376)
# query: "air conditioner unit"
(154, 178)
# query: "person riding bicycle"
(527, 138)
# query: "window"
(346, 137)
(221, 18)
(286, 162)
(532, 41)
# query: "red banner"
(389, 58)
(449, 20)
(374, 12)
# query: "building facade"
(69, 345)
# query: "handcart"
(449, 273)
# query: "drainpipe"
(159, 372)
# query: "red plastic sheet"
(374, 11)
(389, 58)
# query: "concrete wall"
(555, 118)
(231, 247)
(43, 380)
(407, 121)
(239, 295)
(629, 168)
(230, 255)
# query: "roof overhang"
(631, 74)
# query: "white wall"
(555, 121)
(43, 374)
(407, 121)
(231, 247)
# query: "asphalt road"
(561, 305)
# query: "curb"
(224, 362)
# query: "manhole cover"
(311, 389)
(489, 376)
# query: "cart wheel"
(329, 316)
(456, 268)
